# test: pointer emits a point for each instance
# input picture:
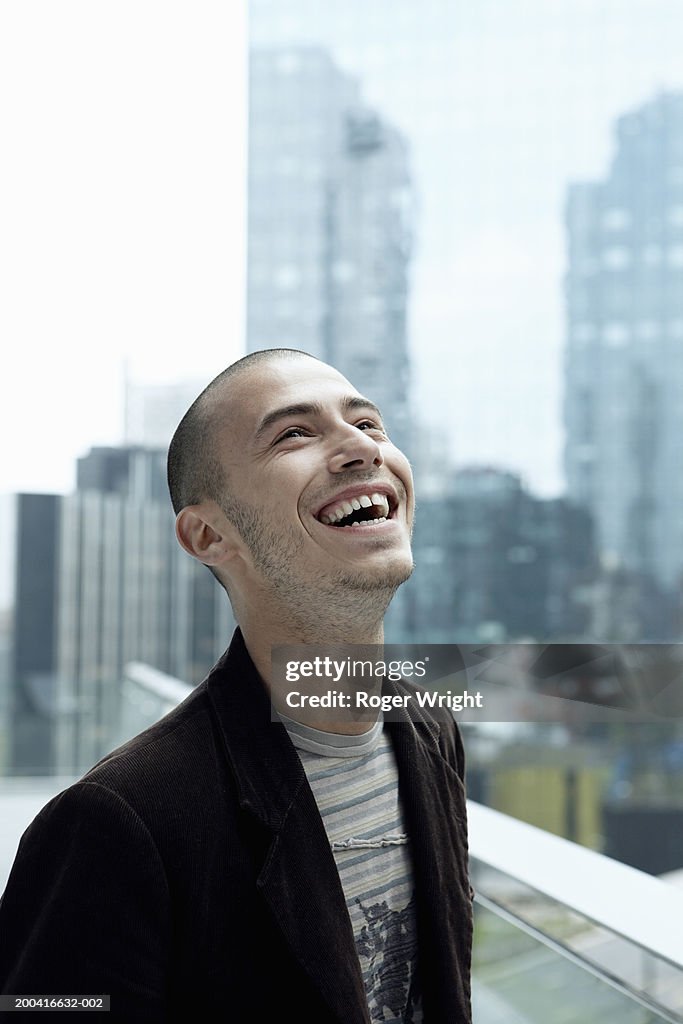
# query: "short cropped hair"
(194, 468)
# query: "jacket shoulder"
(166, 762)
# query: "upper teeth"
(345, 508)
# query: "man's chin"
(385, 578)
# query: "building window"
(615, 335)
(617, 257)
(287, 278)
(343, 271)
(616, 218)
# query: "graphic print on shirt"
(387, 948)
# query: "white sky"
(121, 214)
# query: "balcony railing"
(566, 934)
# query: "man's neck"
(260, 640)
(262, 636)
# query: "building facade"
(329, 225)
(126, 592)
(29, 530)
(496, 564)
(89, 582)
(624, 354)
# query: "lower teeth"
(366, 522)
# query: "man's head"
(286, 485)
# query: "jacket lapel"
(301, 884)
(298, 878)
(433, 798)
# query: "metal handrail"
(160, 684)
(638, 907)
(603, 975)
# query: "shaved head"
(195, 469)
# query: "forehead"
(269, 386)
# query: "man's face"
(320, 496)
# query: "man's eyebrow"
(350, 404)
(354, 402)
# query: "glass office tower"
(624, 384)
(329, 225)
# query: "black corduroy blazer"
(188, 874)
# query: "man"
(224, 866)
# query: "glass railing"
(146, 695)
(518, 978)
(565, 934)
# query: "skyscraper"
(125, 592)
(495, 563)
(624, 355)
(29, 528)
(330, 222)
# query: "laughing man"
(223, 866)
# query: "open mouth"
(361, 511)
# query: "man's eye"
(292, 432)
(370, 425)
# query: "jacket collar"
(266, 768)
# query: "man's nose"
(354, 449)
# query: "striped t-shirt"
(355, 782)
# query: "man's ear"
(205, 534)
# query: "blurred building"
(29, 527)
(495, 563)
(153, 411)
(88, 583)
(127, 592)
(624, 365)
(628, 606)
(131, 471)
(329, 226)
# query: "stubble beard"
(344, 595)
